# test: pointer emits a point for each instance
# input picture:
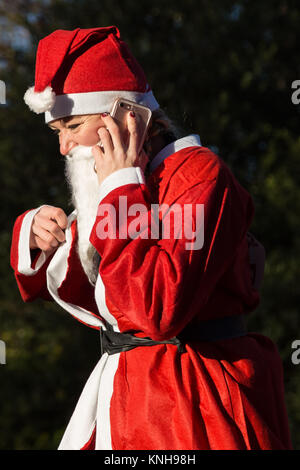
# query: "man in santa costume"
(178, 369)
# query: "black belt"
(234, 326)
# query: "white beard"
(84, 186)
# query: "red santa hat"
(83, 71)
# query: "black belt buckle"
(112, 342)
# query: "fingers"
(119, 150)
(56, 214)
(97, 153)
(112, 138)
(111, 134)
(106, 139)
(47, 230)
(41, 245)
(134, 135)
(43, 239)
(49, 226)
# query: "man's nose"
(66, 143)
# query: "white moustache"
(81, 152)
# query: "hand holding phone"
(122, 137)
(120, 110)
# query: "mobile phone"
(120, 110)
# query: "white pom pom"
(39, 102)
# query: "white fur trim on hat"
(95, 102)
(39, 102)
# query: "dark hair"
(164, 127)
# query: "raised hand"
(115, 153)
(47, 229)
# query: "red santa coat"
(225, 394)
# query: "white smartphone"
(120, 110)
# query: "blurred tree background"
(221, 68)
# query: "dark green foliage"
(220, 68)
